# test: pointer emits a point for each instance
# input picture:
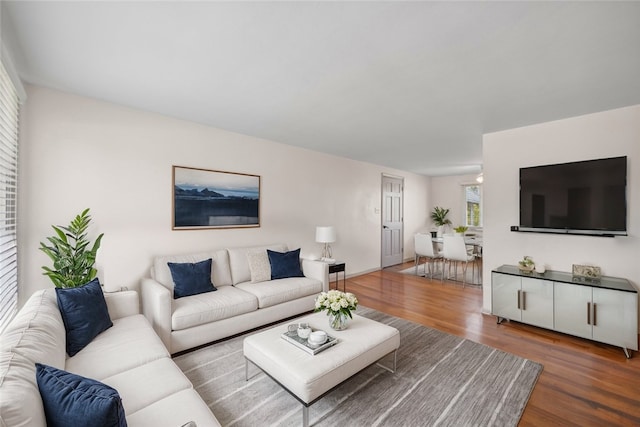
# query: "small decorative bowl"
(317, 337)
(526, 269)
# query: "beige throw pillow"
(259, 266)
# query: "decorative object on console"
(326, 235)
(205, 198)
(72, 261)
(526, 264)
(589, 271)
(338, 306)
(540, 268)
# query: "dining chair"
(455, 250)
(424, 248)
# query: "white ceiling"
(409, 85)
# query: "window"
(9, 108)
(473, 205)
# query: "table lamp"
(326, 235)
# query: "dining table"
(476, 243)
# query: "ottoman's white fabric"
(309, 376)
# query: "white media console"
(603, 309)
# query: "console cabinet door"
(615, 317)
(537, 302)
(505, 291)
(571, 309)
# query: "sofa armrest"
(122, 304)
(156, 306)
(317, 270)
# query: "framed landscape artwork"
(214, 199)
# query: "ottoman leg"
(305, 416)
(395, 358)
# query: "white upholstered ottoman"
(308, 377)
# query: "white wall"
(78, 152)
(446, 192)
(606, 134)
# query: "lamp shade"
(325, 234)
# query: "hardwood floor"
(583, 383)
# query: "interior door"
(392, 221)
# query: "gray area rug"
(440, 379)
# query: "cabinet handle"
(588, 313)
(524, 300)
(518, 299)
(594, 314)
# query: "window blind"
(9, 112)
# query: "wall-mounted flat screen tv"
(586, 197)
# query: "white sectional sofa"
(128, 356)
(236, 306)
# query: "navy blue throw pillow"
(285, 264)
(191, 278)
(72, 400)
(84, 313)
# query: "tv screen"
(587, 197)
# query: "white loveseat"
(128, 356)
(236, 306)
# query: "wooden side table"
(336, 268)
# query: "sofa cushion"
(259, 266)
(191, 278)
(70, 399)
(220, 273)
(285, 264)
(206, 308)
(129, 343)
(141, 386)
(84, 313)
(20, 402)
(282, 290)
(37, 331)
(239, 264)
(164, 413)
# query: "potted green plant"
(461, 229)
(526, 264)
(439, 218)
(69, 250)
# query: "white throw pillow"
(259, 266)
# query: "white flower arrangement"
(335, 302)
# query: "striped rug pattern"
(441, 380)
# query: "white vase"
(443, 229)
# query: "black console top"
(605, 282)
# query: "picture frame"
(206, 199)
